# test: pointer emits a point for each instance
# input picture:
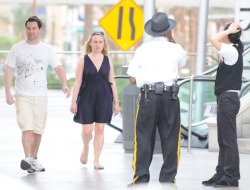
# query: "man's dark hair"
(34, 19)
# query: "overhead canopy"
(170, 3)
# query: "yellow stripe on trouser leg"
(178, 150)
(135, 179)
(179, 147)
(135, 144)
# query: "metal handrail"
(244, 88)
(200, 137)
(111, 52)
(207, 78)
(190, 110)
(110, 124)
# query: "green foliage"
(7, 42)
(118, 69)
(121, 83)
(1, 82)
(20, 14)
(54, 83)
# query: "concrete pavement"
(60, 151)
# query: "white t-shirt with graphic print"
(31, 63)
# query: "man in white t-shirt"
(30, 59)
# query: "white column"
(202, 36)
(149, 10)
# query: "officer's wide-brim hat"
(159, 25)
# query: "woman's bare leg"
(98, 144)
(87, 130)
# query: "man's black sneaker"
(208, 182)
(26, 164)
(222, 183)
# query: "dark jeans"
(228, 161)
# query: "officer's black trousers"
(162, 112)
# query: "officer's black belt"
(151, 87)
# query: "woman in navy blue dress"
(94, 93)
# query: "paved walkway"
(60, 151)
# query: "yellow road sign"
(124, 23)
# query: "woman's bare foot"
(84, 156)
(98, 166)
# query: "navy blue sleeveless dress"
(94, 101)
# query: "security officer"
(154, 69)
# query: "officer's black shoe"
(168, 182)
(222, 183)
(208, 182)
(137, 185)
(131, 185)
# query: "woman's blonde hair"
(88, 49)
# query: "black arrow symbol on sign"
(131, 21)
(119, 33)
(131, 16)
